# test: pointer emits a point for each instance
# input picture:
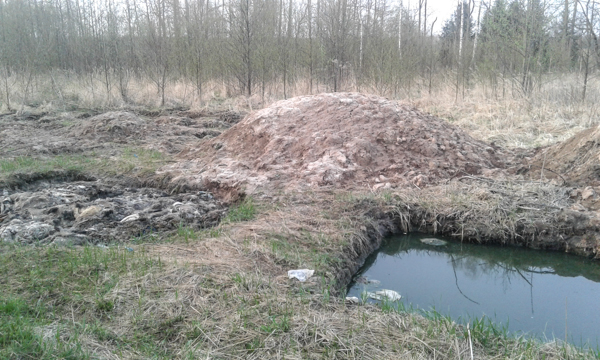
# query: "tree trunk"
(310, 49)
(460, 48)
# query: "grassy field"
(223, 293)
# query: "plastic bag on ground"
(301, 274)
(390, 295)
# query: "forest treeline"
(321, 45)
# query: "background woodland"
(174, 52)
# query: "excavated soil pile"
(341, 139)
(168, 133)
(575, 161)
(71, 133)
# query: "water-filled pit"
(543, 294)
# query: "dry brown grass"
(548, 116)
(484, 210)
(552, 113)
(227, 295)
(250, 318)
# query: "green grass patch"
(62, 277)
(244, 211)
(22, 334)
(132, 161)
(307, 251)
(66, 292)
(28, 164)
(186, 233)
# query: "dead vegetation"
(548, 117)
(509, 212)
(223, 292)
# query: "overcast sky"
(442, 9)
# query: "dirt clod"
(112, 126)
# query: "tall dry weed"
(501, 114)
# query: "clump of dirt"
(114, 126)
(97, 212)
(340, 139)
(228, 116)
(575, 162)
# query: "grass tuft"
(244, 211)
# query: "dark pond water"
(544, 294)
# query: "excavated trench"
(345, 140)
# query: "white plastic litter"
(301, 274)
(129, 218)
(385, 294)
(352, 299)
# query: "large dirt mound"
(575, 161)
(342, 139)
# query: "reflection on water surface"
(536, 292)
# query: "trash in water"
(434, 242)
(301, 274)
(385, 295)
(366, 281)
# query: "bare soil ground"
(90, 192)
(574, 162)
(213, 222)
(41, 133)
(355, 142)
